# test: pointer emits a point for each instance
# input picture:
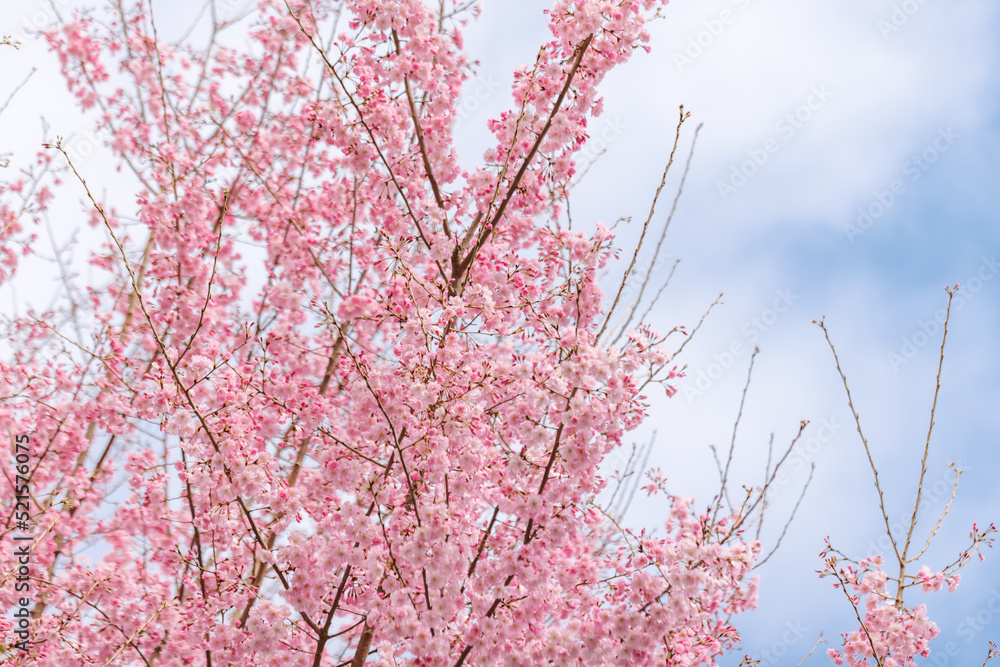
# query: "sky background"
(886, 94)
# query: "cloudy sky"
(847, 167)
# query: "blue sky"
(910, 102)
(915, 105)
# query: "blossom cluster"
(892, 633)
(336, 396)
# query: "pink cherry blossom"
(322, 319)
(329, 396)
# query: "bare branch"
(645, 225)
(864, 441)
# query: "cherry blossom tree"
(336, 399)
(892, 633)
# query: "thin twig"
(659, 243)
(923, 461)
(864, 441)
(812, 469)
(947, 508)
(723, 491)
(815, 646)
(17, 88)
(767, 476)
(687, 340)
(136, 633)
(645, 225)
(638, 475)
(659, 292)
